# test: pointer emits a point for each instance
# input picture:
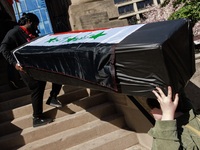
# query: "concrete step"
(9, 115)
(77, 135)
(3, 68)
(14, 94)
(5, 88)
(59, 126)
(3, 74)
(137, 147)
(24, 100)
(117, 140)
(4, 81)
(3, 65)
(15, 103)
(21, 101)
(26, 121)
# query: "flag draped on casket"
(132, 60)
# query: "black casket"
(132, 60)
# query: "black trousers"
(37, 91)
(11, 72)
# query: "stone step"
(14, 94)
(8, 93)
(3, 74)
(3, 68)
(23, 100)
(117, 140)
(4, 81)
(26, 121)
(3, 65)
(137, 147)
(5, 88)
(15, 103)
(67, 122)
(77, 135)
(9, 115)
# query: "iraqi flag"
(132, 60)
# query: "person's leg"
(37, 91)
(37, 97)
(53, 101)
(11, 76)
(55, 90)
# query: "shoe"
(13, 85)
(52, 101)
(39, 121)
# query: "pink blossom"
(156, 13)
(196, 29)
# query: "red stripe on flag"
(17, 1)
(83, 31)
(79, 31)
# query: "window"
(18, 8)
(41, 27)
(144, 4)
(29, 5)
(35, 4)
(44, 14)
(126, 9)
(158, 1)
(120, 1)
(23, 5)
(37, 7)
(41, 3)
(47, 27)
(37, 13)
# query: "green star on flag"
(53, 40)
(98, 35)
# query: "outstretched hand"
(18, 67)
(167, 106)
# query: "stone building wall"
(94, 14)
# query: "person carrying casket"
(177, 124)
(14, 38)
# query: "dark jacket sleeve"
(12, 40)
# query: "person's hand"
(167, 106)
(18, 67)
(157, 113)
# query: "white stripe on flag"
(112, 35)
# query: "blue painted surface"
(39, 8)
